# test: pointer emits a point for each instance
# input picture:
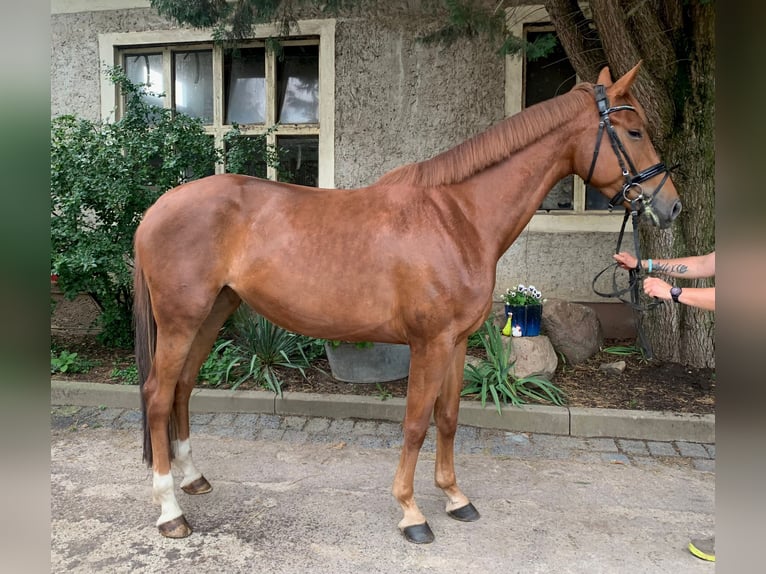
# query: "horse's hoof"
(199, 486)
(176, 528)
(418, 533)
(467, 513)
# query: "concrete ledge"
(228, 401)
(646, 425)
(340, 406)
(94, 395)
(544, 419)
(528, 418)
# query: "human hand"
(625, 260)
(656, 287)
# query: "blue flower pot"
(526, 317)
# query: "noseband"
(633, 177)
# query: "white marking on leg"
(184, 462)
(162, 493)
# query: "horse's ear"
(605, 77)
(622, 85)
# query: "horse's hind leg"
(446, 417)
(159, 395)
(193, 482)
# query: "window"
(570, 205)
(248, 85)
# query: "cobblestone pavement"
(381, 434)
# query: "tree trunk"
(676, 86)
(692, 145)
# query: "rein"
(635, 280)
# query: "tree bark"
(576, 32)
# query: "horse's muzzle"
(660, 213)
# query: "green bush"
(104, 176)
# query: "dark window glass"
(546, 78)
(299, 159)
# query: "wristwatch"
(675, 293)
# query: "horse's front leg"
(192, 481)
(446, 418)
(428, 365)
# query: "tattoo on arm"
(678, 268)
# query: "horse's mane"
(494, 144)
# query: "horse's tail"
(145, 345)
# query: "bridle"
(639, 204)
(633, 178)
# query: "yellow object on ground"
(704, 549)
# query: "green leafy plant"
(67, 362)
(494, 376)
(261, 348)
(626, 351)
(475, 339)
(126, 375)
(220, 362)
(383, 394)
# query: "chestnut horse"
(410, 259)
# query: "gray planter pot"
(376, 364)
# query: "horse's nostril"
(676, 209)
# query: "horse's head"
(624, 164)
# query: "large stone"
(532, 356)
(574, 329)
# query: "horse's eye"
(635, 134)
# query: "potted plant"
(366, 362)
(524, 307)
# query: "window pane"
(245, 82)
(298, 85)
(146, 69)
(194, 84)
(594, 199)
(299, 159)
(546, 78)
(560, 196)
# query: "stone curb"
(542, 419)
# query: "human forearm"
(694, 267)
(702, 297)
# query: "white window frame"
(564, 221)
(111, 46)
